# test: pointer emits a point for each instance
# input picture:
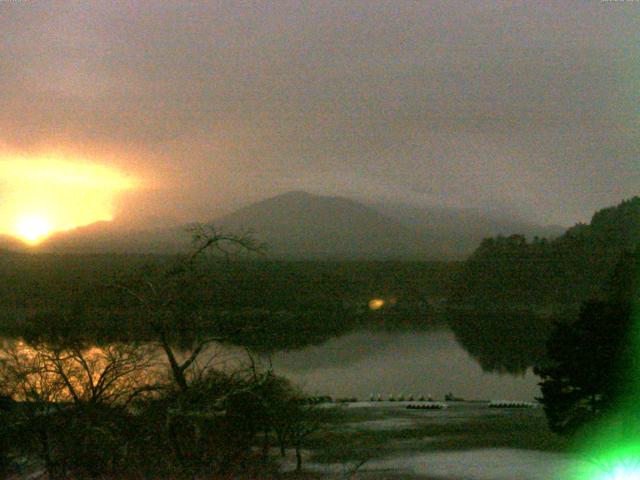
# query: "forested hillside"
(567, 270)
(271, 303)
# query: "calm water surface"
(418, 363)
(429, 363)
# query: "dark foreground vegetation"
(592, 364)
(126, 409)
(81, 412)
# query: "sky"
(529, 108)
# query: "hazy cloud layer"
(530, 107)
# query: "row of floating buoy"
(427, 406)
(400, 398)
(429, 403)
(510, 404)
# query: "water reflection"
(509, 341)
(429, 363)
(384, 351)
(432, 362)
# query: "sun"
(33, 228)
(41, 196)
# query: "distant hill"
(10, 243)
(103, 237)
(457, 232)
(299, 225)
(294, 225)
(569, 269)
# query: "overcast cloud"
(526, 107)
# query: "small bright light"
(33, 228)
(376, 303)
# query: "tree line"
(568, 270)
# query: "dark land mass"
(266, 305)
(543, 273)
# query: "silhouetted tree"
(593, 363)
(109, 410)
(73, 399)
(209, 418)
(588, 368)
(169, 300)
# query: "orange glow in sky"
(42, 196)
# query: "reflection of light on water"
(112, 372)
(376, 303)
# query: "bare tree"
(159, 294)
(71, 393)
(53, 375)
(203, 395)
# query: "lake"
(428, 361)
(419, 363)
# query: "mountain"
(568, 270)
(104, 237)
(294, 225)
(8, 243)
(301, 225)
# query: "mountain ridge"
(302, 225)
